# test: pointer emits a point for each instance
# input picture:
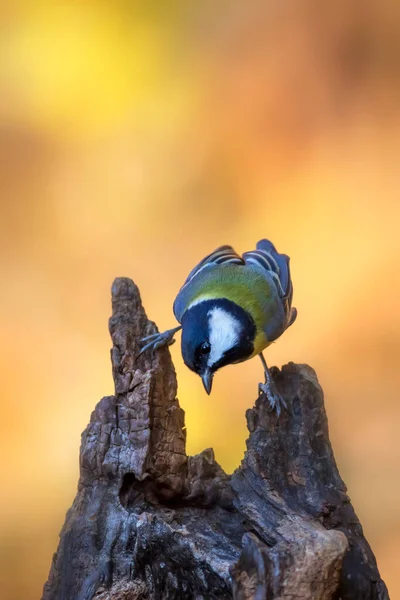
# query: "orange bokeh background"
(137, 136)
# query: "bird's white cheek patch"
(224, 333)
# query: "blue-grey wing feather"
(276, 268)
(222, 255)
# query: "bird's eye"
(205, 348)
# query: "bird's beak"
(207, 379)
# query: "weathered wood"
(150, 523)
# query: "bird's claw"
(158, 340)
(276, 401)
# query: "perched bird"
(231, 308)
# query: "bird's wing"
(276, 265)
(222, 255)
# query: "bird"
(230, 309)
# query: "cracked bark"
(148, 522)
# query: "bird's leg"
(158, 340)
(269, 389)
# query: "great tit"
(231, 308)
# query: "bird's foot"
(276, 401)
(158, 340)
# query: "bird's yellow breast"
(260, 342)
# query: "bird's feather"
(267, 258)
(222, 255)
(198, 280)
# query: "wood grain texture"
(148, 522)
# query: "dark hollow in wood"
(149, 522)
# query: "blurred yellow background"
(137, 136)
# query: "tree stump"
(149, 522)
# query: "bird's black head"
(216, 333)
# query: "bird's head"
(216, 333)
